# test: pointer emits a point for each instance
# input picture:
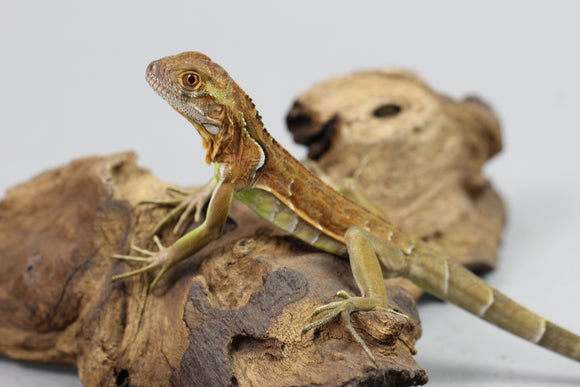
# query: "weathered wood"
(235, 319)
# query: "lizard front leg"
(210, 229)
(185, 202)
(368, 274)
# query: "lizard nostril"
(152, 68)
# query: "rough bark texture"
(233, 314)
(236, 319)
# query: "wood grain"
(234, 319)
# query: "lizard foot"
(161, 259)
(184, 203)
(347, 306)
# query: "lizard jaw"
(188, 110)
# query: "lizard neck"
(242, 159)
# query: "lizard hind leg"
(368, 275)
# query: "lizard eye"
(190, 79)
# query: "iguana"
(252, 167)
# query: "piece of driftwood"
(232, 314)
(235, 319)
(417, 154)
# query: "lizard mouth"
(181, 107)
(153, 81)
(158, 79)
(190, 110)
(157, 85)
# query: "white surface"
(73, 85)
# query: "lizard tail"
(452, 282)
(513, 317)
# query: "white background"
(72, 85)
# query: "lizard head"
(202, 92)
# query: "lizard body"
(253, 167)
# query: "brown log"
(235, 318)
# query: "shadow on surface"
(55, 368)
(458, 374)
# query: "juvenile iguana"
(252, 167)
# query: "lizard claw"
(185, 203)
(155, 260)
(345, 308)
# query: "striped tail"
(451, 282)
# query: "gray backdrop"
(72, 85)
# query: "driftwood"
(233, 313)
(236, 319)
